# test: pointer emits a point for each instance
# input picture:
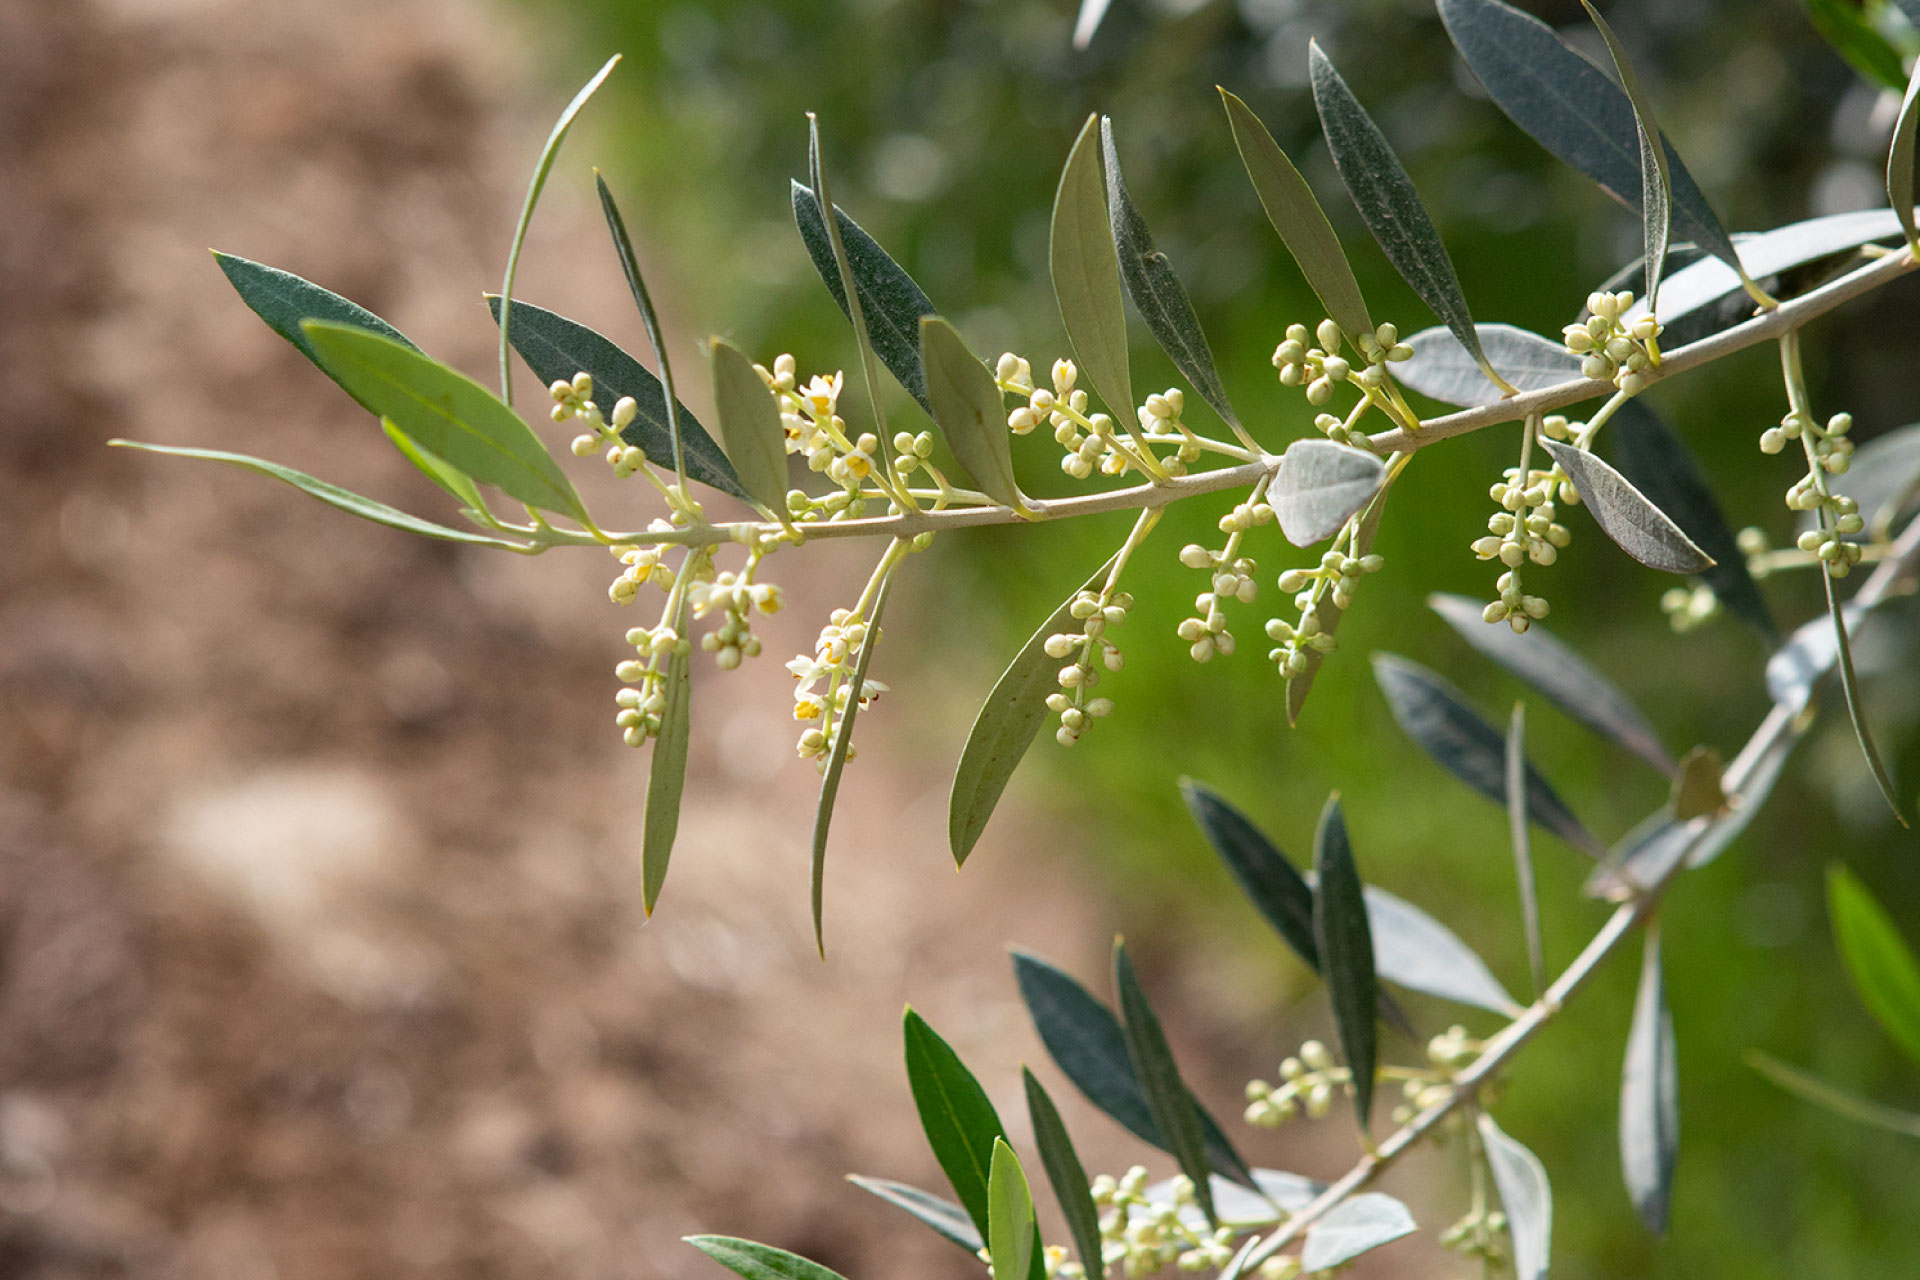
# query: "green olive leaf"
(1345, 938)
(1519, 833)
(947, 1219)
(1525, 1195)
(1650, 1097)
(630, 267)
(1900, 160)
(1175, 1114)
(1360, 1223)
(750, 429)
(970, 412)
(1067, 1175)
(1625, 515)
(753, 1261)
(851, 303)
(1086, 276)
(1656, 214)
(1013, 1242)
(1842, 24)
(667, 773)
(1850, 690)
(1878, 959)
(959, 1120)
(1840, 1101)
(1443, 369)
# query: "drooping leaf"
(1156, 291)
(890, 301)
(1900, 160)
(1237, 1205)
(1850, 690)
(849, 284)
(1655, 187)
(333, 495)
(1174, 1112)
(667, 773)
(1655, 462)
(947, 1219)
(1841, 1102)
(1415, 950)
(630, 267)
(1697, 792)
(1012, 1240)
(1443, 724)
(448, 477)
(1525, 1196)
(959, 1120)
(1005, 728)
(1066, 1174)
(447, 413)
(1327, 614)
(970, 412)
(1842, 25)
(1650, 1097)
(1878, 959)
(1320, 486)
(1086, 276)
(1518, 832)
(1445, 370)
(1388, 204)
(759, 1261)
(1297, 216)
(556, 348)
(1568, 680)
(750, 426)
(1625, 515)
(1361, 1222)
(1341, 929)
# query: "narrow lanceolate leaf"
(1156, 291)
(1697, 792)
(1066, 1173)
(849, 285)
(1084, 26)
(1570, 107)
(542, 167)
(1086, 276)
(1650, 1097)
(1263, 873)
(1655, 186)
(1391, 208)
(1447, 371)
(750, 426)
(1085, 1041)
(1842, 24)
(1327, 614)
(1662, 468)
(1005, 728)
(1320, 486)
(1799, 665)
(283, 300)
(1900, 161)
(1012, 1241)
(1518, 832)
(947, 1219)
(1878, 959)
(450, 478)
(333, 495)
(1362, 1222)
(556, 348)
(1297, 216)
(1345, 938)
(753, 1261)
(630, 267)
(1525, 1196)
(1174, 1111)
(890, 301)
(1841, 1102)
(1624, 514)
(1415, 950)
(960, 1123)
(447, 413)
(1567, 679)
(1850, 690)
(667, 774)
(1442, 723)
(970, 412)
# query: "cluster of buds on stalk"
(1336, 577)
(1319, 367)
(1610, 351)
(1829, 453)
(1086, 653)
(836, 654)
(1526, 530)
(1144, 1235)
(1231, 578)
(1089, 441)
(814, 429)
(1307, 1083)
(737, 596)
(573, 400)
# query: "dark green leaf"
(1655, 187)
(1445, 370)
(1850, 690)
(1624, 514)
(630, 267)
(1341, 929)
(960, 1123)
(1067, 1175)
(1297, 216)
(849, 285)
(1842, 25)
(750, 426)
(759, 1261)
(556, 348)
(1650, 1097)
(1175, 1114)
(1320, 486)
(947, 1219)
(446, 413)
(1543, 661)
(1878, 959)
(283, 300)
(1655, 462)
(1388, 204)
(1156, 291)
(1518, 833)
(1012, 1240)
(1327, 614)
(890, 302)
(1900, 159)
(1086, 277)
(1840, 1101)
(1526, 1197)
(970, 412)
(1261, 870)
(667, 774)
(1360, 1223)
(1435, 715)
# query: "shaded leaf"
(1884, 479)
(1655, 190)
(1012, 1239)
(1445, 370)
(1388, 204)
(1237, 1205)
(1518, 834)
(960, 1123)
(1842, 25)
(1156, 291)
(759, 1261)
(1341, 929)
(1174, 1111)
(667, 773)
(1850, 690)
(1878, 959)
(1696, 788)
(1415, 950)
(1320, 486)
(1086, 276)
(1360, 1223)
(1624, 514)
(630, 267)
(1066, 1174)
(1568, 680)
(968, 407)
(1842, 1102)
(1327, 614)
(890, 301)
(1805, 659)
(947, 1219)
(450, 478)
(1441, 722)
(750, 428)
(1526, 1197)
(1650, 1097)
(1297, 216)
(556, 348)
(1900, 159)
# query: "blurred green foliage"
(945, 123)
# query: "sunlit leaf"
(759, 1261)
(959, 1120)
(1066, 1174)
(1341, 929)
(750, 426)
(970, 412)
(1842, 25)
(1518, 832)
(1086, 276)
(1624, 514)
(1445, 370)
(1655, 188)
(1084, 26)
(283, 300)
(1841, 1102)
(1525, 1196)
(667, 774)
(1174, 1111)
(1012, 1241)
(1319, 487)
(947, 1219)
(1878, 959)
(1650, 1097)
(1360, 1223)
(1415, 950)
(630, 267)
(1900, 160)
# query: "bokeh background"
(320, 947)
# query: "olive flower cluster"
(835, 655)
(1613, 352)
(1143, 1235)
(1829, 453)
(1087, 651)
(1307, 1083)
(1335, 577)
(1525, 530)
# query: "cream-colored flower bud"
(1064, 375)
(1327, 333)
